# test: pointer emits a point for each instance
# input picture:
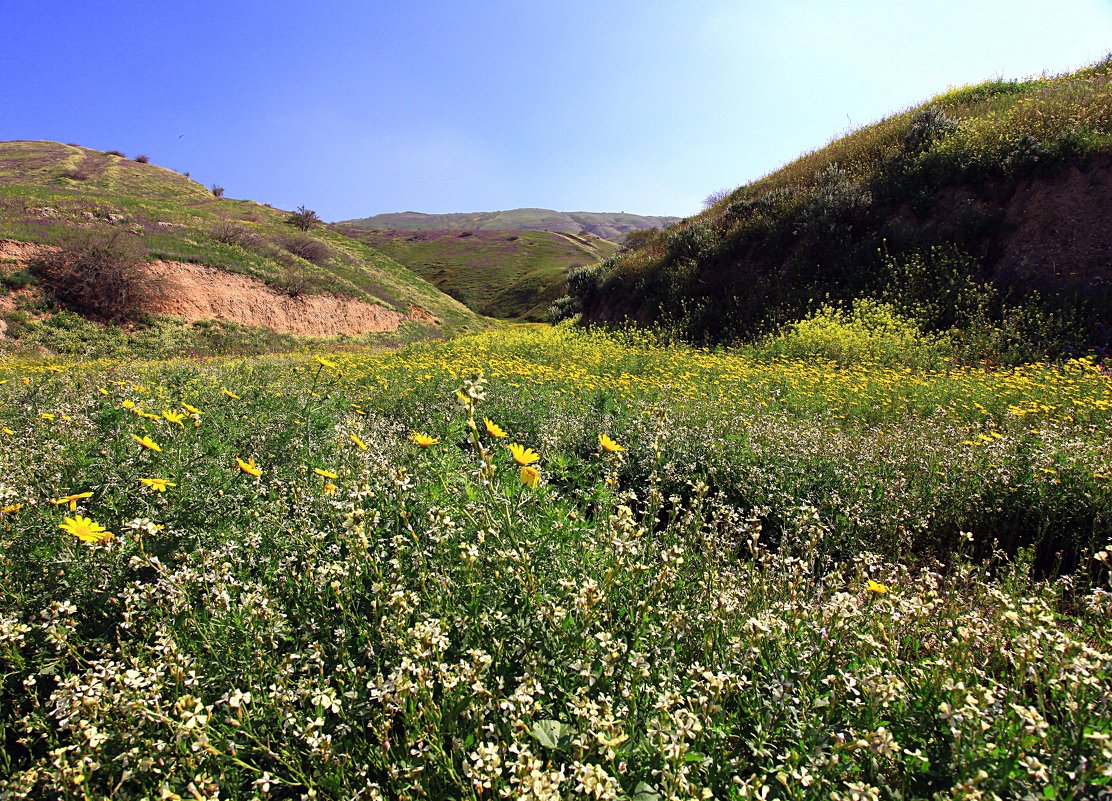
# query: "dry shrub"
(294, 282)
(304, 247)
(88, 169)
(101, 275)
(230, 233)
(142, 159)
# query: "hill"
(498, 273)
(605, 225)
(193, 255)
(984, 210)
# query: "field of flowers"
(551, 564)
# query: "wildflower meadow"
(554, 564)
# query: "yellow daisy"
(493, 428)
(158, 484)
(249, 467)
(147, 443)
(85, 529)
(523, 455)
(530, 476)
(609, 445)
(424, 440)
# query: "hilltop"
(983, 211)
(613, 226)
(498, 273)
(234, 267)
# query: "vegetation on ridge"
(913, 211)
(54, 195)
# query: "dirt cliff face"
(195, 292)
(1061, 225)
(203, 293)
(1051, 232)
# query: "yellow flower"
(147, 415)
(876, 587)
(609, 445)
(85, 529)
(530, 476)
(191, 409)
(174, 417)
(326, 363)
(128, 404)
(493, 429)
(358, 442)
(8, 431)
(229, 393)
(103, 391)
(147, 443)
(464, 399)
(329, 488)
(424, 440)
(72, 500)
(46, 416)
(158, 484)
(324, 473)
(11, 508)
(248, 467)
(523, 455)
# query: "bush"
(303, 218)
(101, 275)
(143, 159)
(17, 280)
(869, 332)
(307, 248)
(115, 153)
(230, 233)
(217, 190)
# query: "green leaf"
(549, 732)
(645, 792)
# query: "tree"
(303, 218)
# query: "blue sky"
(356, 108)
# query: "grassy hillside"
(983, 209)
(606, 225)
(51, 193)
(507, 274)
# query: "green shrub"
(869, 332)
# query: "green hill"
(605, 225)
(507, 274)
(53, 195)
(985, 209)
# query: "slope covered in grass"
(985, 207)
(51, 193)
(507, 274)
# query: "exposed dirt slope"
(195, 292)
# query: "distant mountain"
(606, 225)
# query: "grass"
(178, 219)
(793, 580)
(505, 274)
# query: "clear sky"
(355, 108)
